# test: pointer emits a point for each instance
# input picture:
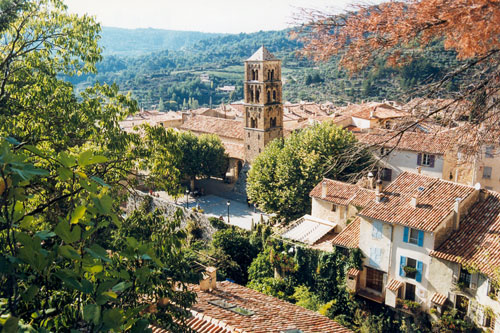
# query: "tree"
(396, 31)
(65, 168)
(286, 171)
(202, 156)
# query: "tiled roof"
(270, 314)
(211, 125)
(234, 150)
(308, 230)
(262, 54)
(394, 285)
(341, 193)
(438, 299)
(434, 143)
(353, 272)
(349, 237)
(477, 241)
(199, 324)
(436, 199)
(378, 110)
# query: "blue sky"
(230, 16)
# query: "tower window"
(257, 96)
(274, 95)
(248, 134)
(251, 94)
(248, 147)
(268, 96)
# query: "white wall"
(366, 242)
(402, 160)
(361, 123)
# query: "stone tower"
(263, 107)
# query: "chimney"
(456, 210)
(378, 188)
(419, 170)
(414, 201)
(371, 181)
(208, 281)
(323, 189)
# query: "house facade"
(424, 242)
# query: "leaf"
(69, 236)
(99, 181)
(103, 204)
(45, 234)
(29, 294)
(98, 252)
(111, 294)
(92, 313)
(11, 325)
(12, 140)
(26, 222)
(68, 252)
(78, 213)
(83, 158)
(112, 318)
(94, 269)
(64, 173)
(97, 159)
(66, 160)
(121, 286)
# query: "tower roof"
(262, 54)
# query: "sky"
(226, 16)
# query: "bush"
(217, 223)
(305, 298)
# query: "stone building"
(263, 121)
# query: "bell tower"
(263, 107)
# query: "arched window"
(268, 96)
(268, 75)
(257, 96)
(251, 94)
(252, 123)
(272, 75)
(256, 75)
(274, 95)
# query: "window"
(462, 304)
(374, 279)
(248, 146)
(411, 268)
(334, 208)
(248, 134)
(487, 172)
(490, 151)
(465, 277)
(413, 236)
(388, 124)
(426, 160)
(410, 292)
(386, 175)
(274, 95)
(382, 151)
(489, 320)
(375, 256)
(377, 230)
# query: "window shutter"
(420, 238)
(388, 174)
(372, 257)
(405, 235)
(377, 230)
(431, 160)
(420, 267)
(419, 159)
(402, 263)
(378, 256)
(473, 281)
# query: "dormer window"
(413, 236)
(425, 159)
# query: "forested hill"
(189, 72)
(135, 42)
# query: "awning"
(394, 285)
(438, 299)
(308, 230)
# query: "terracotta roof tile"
(378, 110)
(234, 150)
(477, 241)
(438, 299)
(434, 143)
(211, 125)
(394, 285)
(353, 272)
(435, 201)
(349, 237)
(270, 314)
(341, 193)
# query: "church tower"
(263, 107)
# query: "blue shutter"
(420, 267)
(377, 230)
(419, 159)
(431, 160)
(405, 235)
(372, 257)
(420, 238)
(402, 263)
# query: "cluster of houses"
(427, 223)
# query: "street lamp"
(228, 204)
(187, 203)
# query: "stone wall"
(169, 208)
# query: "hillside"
(176, 78)
(136, 42)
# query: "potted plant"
(410, 272)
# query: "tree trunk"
(191, 183)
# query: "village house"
(228, 307)
(431, 242)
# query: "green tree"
(287, 170)
(202, 156)
(65, 168)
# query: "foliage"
(217, 223)
(280, 288)
(286, 171)
(202, 156)
(234, 247)
(66, 261)
(452, 321)
(282, 262)
(305, 298)
(261, 267)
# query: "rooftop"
(349, 237)
(433, 143)
(375, 110)
(344, 194)
(210, 125)
(268, 314)
(262, 54)
(477, 241)
(436, 199)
